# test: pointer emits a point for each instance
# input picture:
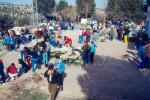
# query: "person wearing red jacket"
(84, 35)
(12, 71)
(68, 41)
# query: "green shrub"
(32, 95)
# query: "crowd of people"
(143, 48)
(33, 58)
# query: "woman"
(92, 52)
(59, 66)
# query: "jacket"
(7, 40)
(148, 50)
(12, 69)
(60, 67)
(84, 33)
(92, 48)
(54, 77)
(86, 48)
(1, 67)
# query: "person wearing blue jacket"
(7, 41)
(59, 66)
(92, 51)
(13, 43)
(53, 42)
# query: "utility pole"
(35, 14)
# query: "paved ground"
(113, 76)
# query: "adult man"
(53, 79)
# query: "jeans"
(147, 62)
(61, 78)
(22, 54)
(40, 58)
(34, 63)
(48, 53)
(85, 58)
(45, 58)
(143, 62)
(84, 39)
(111, 37)
(3, 77)
(21, 71)
(15, 47)
(80, 39)
(92, 57)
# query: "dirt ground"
(113, 76)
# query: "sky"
(99, 3)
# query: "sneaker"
(61, 88)
(141, 70)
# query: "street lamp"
(33, 12)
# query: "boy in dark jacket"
(24, 67)
(53, 80)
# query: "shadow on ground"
(113, 79)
